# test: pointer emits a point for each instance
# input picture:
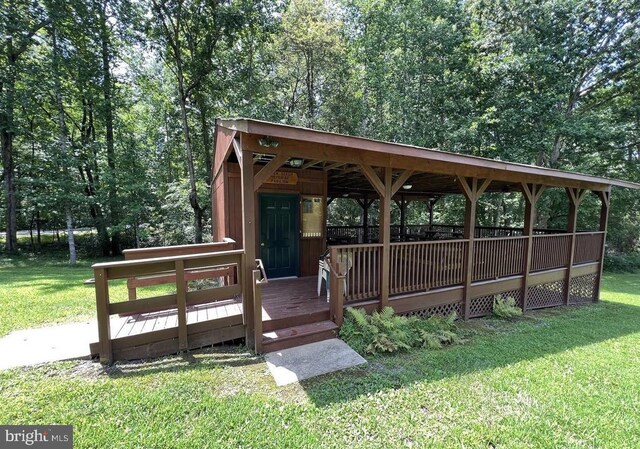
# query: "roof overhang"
(321, 145)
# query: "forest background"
(107, 107)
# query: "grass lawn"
(565, 378)
(40, 290)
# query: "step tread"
(299, 331)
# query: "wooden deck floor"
(282, 299)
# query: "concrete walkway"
(48, 344)
(303, 362)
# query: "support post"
(257, 309)
(575, 198)
(605, 198)
(102, 308)
(403, 218)
(181, 297)
(472, 192)
(336, 305)
(365, 219)
(249, 241)
(385, 237)
(532, 193)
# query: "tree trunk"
(193, 196)
(8, 173)
(63, 142)
(206, 141)
(108, 120)
(70, 238)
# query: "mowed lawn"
(37, 291)
(560, 378)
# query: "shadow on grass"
(205, 359)
(492, 344)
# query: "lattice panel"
(444, 310)
(483, 305)
(546, 295)
(582, 289)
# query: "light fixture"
(296, 162)
(345, 195)
(268, 142)
(407, 186)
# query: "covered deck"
(272, 184)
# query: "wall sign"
(283, 177)
(312, 217)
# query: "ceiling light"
(268, 142)
(296, 163)
(407, 186)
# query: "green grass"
(38, 290)
(565, 377)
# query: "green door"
(279, 234)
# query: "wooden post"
(472, 192)
(605, 198)
(385, 238)
(532, 193)
(131, 289)
(575, 198)
(403, 211)
(181, 296)
(249, 242)
(257, 309)
(365, 219)
(386, 189)
(336, 306)
(102, 308)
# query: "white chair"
(324, 270)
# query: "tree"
(189, 32)
(21, 21)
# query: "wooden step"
(294, 320)
(299, 335)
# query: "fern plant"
(385, 331)
(505, 307)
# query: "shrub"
(386, 332)
(505, 307)
(622, 262)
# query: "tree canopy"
(107, 107)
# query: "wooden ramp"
(156, 333)
(292, 314)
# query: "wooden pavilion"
(271, 186)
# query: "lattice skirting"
(582, 289)
(443, 310)
(483, 305)
(546, 295)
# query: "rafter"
(374, 179)
(268, 170)
(400, 181)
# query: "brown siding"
(310, 182)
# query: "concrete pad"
(47, 344)
(303, 362)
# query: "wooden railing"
(356, 234)
(419, 266)
(588, 247)
(494, 258)
(550, 251)
(362, 269)
(134, 283)
(180, 268)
